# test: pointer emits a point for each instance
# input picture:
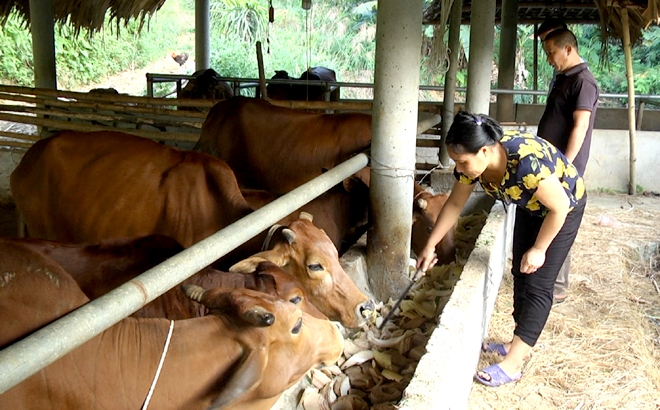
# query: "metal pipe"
(26, 357)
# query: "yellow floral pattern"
(530, 159)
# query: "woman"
(525, 170)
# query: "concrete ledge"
(443, 378)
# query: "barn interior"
(445, 372)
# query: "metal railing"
(36, 351)
(243, 83)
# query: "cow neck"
(188, 368)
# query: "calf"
(100, 268)
(243, 355)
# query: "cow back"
(278, 149)
(31, 286)
(87, 187)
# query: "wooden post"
(632, 187)
(262, 76)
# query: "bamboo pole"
(66, 125)
(19, 136)
(15, 144)
(632, 186)
(179, 102)
(311, 105)
(262, 75)
(201, 116)
(109, 117)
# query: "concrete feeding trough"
(443, 377)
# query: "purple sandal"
(497, 376)
(494, 348)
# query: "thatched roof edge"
(86, 14)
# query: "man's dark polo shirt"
(576, 89)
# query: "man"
(549, 25)
(568, 119)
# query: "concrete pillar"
(482, 30)
(42, 26)
(398, 44)
(450, 77)
(202, 35)
(507, 66)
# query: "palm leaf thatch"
(87, 14)
(640, 15)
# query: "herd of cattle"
(107, 206)
(208, 85)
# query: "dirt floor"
(600, 349)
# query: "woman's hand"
(533, 259)
(427, 258)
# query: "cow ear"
(193, 292)
(249, 265)
(243, 380)
(307, 216)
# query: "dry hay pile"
(601, 348)
(378, 365)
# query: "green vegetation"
(86, 59)
(338, 34)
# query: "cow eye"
(430, 229)
(295, 300)
(297, 327)
(316, 267)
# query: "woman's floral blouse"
(529, 160)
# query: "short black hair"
(550, 23)
(562, 37)
(470, 132)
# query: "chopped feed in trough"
(378, 364)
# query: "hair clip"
(477, 120)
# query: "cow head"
(426, 209)
(308, 254)
(287, 287)
(283, 344)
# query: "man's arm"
(581, 120)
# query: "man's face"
(557, 56)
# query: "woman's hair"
(471, 132)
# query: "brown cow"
(278, 149)
(243, 356)
(342, 212)
(100, 268)
(329, 292)
(87, 187)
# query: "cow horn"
(306, 215)
(259, 317)
(193, 292)
(421, 202)
(289, 235)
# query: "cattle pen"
(452, 353)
